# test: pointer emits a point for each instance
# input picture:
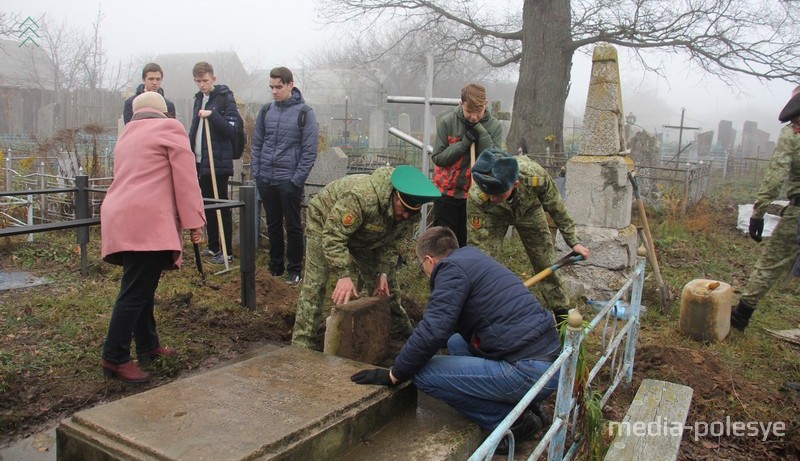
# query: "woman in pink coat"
(154, 196)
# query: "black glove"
(471, 134)
(756, 228)
(378, 376)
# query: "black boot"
(523, 428)
(536, 408)
(740, 315)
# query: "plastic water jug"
(706, 310)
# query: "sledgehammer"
(571, 258)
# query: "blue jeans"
(483, 390)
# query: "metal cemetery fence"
(618, 338)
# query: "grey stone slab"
(40, 447)
(331, 164)
(602, 132)
(598, 192)
(12, 280)
(360, 330)
(432, 432)
(292, 403)
(377, 130)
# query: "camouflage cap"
(414, 187)
(791, 110)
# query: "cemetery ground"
(51, 335)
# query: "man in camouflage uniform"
(780, 250)
(355, 226)
(516, 191)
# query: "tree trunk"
(538, 114)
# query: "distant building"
(27, 82)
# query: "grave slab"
(12, 280)
(359, 330)
(291, 403)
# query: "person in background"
(499, 338)
(780, 251)
(283, 152)
(356, 226)
(216, 104)
(153, 198)
(151, 81)
(516, 191)
(471, 127)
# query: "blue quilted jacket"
(281, 151)
(475, 296)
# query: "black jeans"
(133, 311)
(282, 206)
(212, 227)
(452, 212)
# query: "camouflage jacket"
(783, 166)
(536, 189)
(451, 151)
(355, 212)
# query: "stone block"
(598, 192)
(331, 164)
(377, 130)
(289, 404)
(359, 330)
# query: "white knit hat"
(150, 99)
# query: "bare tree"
(65, 47)
(722, 37)
(8, 24)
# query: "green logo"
(28, 32)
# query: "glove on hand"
(471, 134)
(756, 228)
(378, 376)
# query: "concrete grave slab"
(359, 330)
(292, 403)
(12, 280)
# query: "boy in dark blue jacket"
(499, 337)
(216, 104)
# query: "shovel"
(216, 197)
(199, 263)
(567, 260)
(666, 296)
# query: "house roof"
(25, 66)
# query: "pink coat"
(155, 193)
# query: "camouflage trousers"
(778, 255)
(487, 231)
(311, 302)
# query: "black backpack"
(240, 140)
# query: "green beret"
(414, 187)
(791, 110)
(495, 171)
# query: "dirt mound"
(715, 386)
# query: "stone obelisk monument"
(598, 194)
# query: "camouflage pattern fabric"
(351, 231)
(780, 250)
(535, 195)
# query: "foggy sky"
(270, 33)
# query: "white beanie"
(150, 99)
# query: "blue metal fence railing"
(555, 439)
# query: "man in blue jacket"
(283, 152)
(499, 337)
(217, 104)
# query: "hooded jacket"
(281, 150)
(222, 123)
(127, 111)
